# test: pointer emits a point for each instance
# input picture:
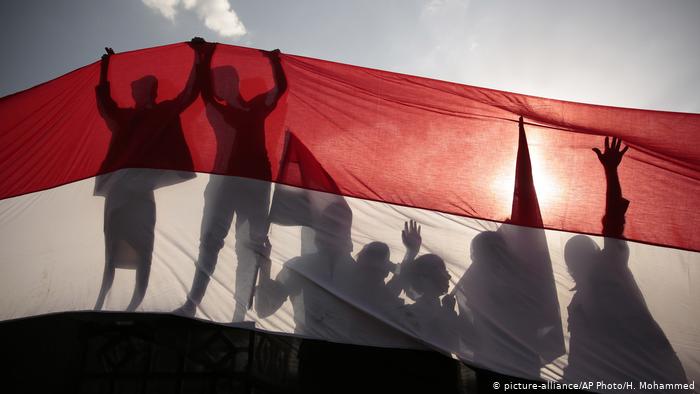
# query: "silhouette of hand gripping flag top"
(507, 295)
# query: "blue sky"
(635, 53)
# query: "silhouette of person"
(424, 279)
(614, 337)
(432, 320)
(429, 371)
(374, 266)
(368, 282)
(304, 280)
(494, 311)
(507, 301)
(380, 312)
(432, 317)
(310, 282)
(145, 137)
(225, 196)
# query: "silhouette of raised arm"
(280, 77)
(204, 74)
(412, 240)
(105, 103)
(615, 204)
(271, 97)
(191, 90)
(104, 65)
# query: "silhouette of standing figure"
(612, 331)
(144, 138)
(307, 279)
(507, 300)
(224, 196)
(310, 283)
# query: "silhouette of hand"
(197, 44)
(411, 236)
(195, 41)
(612, 155)
(108, 52)
(203, 49)
(273, 54)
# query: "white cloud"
(165, 7)
(216, 14)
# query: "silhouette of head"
(374, 261)
(489, 248)
(144, 91)
(333, 229)
(226, 84)
(580, 253)
(428, 276)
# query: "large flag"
(104, 173)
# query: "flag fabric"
(304, 206)
(105, 178)
(299, 167)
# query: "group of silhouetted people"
(503, 311)
(150, 136)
